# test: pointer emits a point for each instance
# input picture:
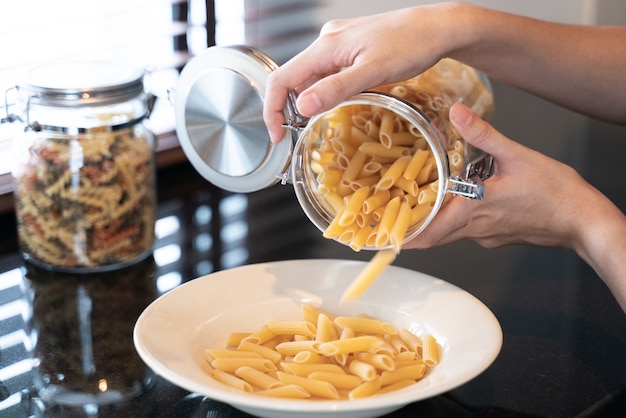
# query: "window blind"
(280, 28)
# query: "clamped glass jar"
(84, 170)
(385, 157)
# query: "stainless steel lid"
(219, 119)
(82, 83)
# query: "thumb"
(477, 131)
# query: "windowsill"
(168, 152)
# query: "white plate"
(171, 334)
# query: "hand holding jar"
(535, 200)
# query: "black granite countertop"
(563, 355)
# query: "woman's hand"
(354, 55)
(532, 199)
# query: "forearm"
(601, 242)
(575, 66)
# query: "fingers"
(480, 133)
(327, 91)
(447, 227)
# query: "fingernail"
(460, 114)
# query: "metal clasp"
(12, 117)
(295, 123)
(470, 184)
(9, 117)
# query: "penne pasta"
(263, 351)
(355, 165)
(339, 381)
(410, 340)
(310, 357)
(426, 196)
(311, 314)
(359, 240)
(294, 347)
(216, 353)
(325, 328)
(371, 271)
(387, 221)
(416, 163)
(232, 380)
(378, 361)
(387, 124)
(304, 369)
(348, 345)
(230, 364)
(234, 339)
(400, 384)
(405, 139)
(396, 342)
(394, 172)
(369, 356)
(398, 231)
(291, 327)
(286, 391)
(379, 150)
(257, 378)
(363, 370)
(261, 336)
(320, 388)
(353, 207)
(365, 325)
(413, 372)
(376, 200)
(430, 351)
(365, 389)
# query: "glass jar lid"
(219, 119)
(81, 83)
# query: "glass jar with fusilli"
(84, 167)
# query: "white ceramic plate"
(171, 334)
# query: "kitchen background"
(227, 230)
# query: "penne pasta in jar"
(405, 146)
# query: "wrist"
(467, 27)
(452, 28)
(600, 240)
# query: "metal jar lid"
(219, 119)
(82, 83)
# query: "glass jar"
(84, 169)
(339, 160)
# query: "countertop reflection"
(66, 339)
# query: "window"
(160, 35)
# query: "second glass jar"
(84, 168)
